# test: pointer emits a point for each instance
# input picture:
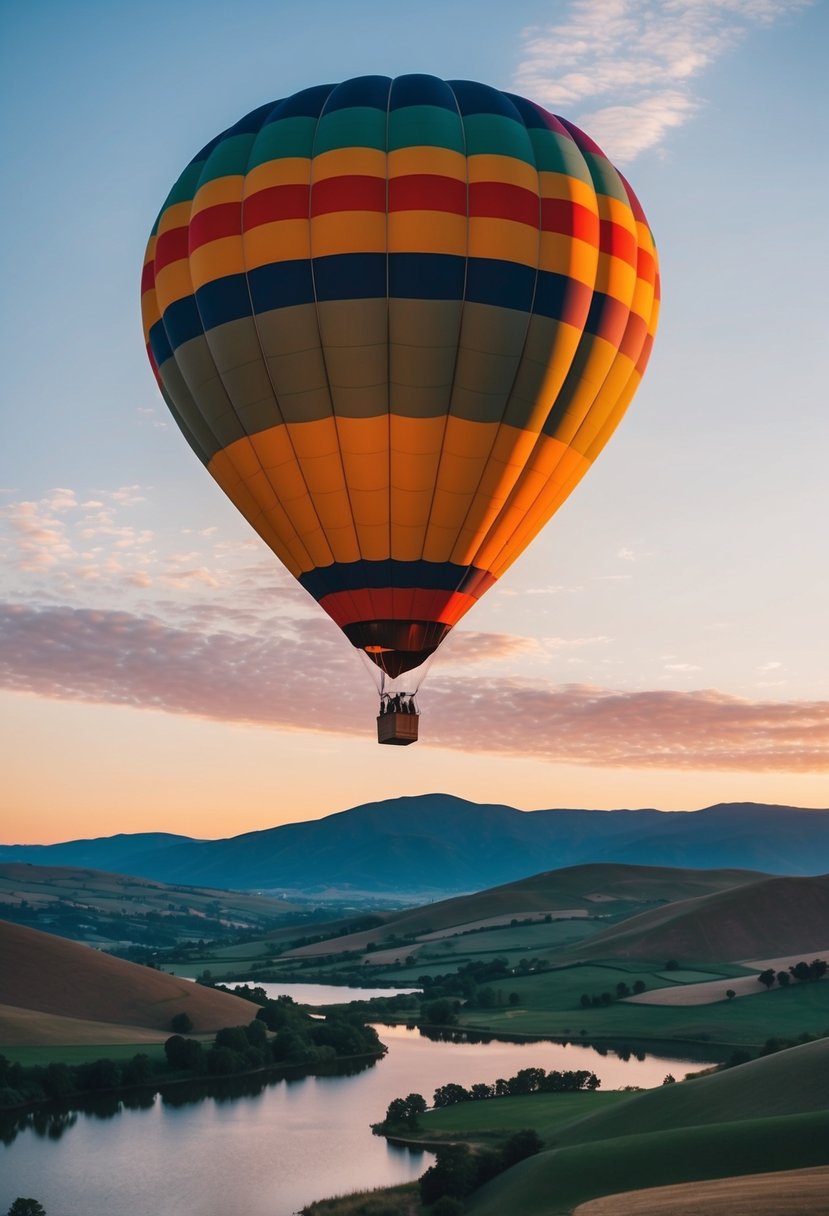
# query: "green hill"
(767, 917)
(789, 1082)
(598, 890)
(556, 1181)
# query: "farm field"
(782, 1194)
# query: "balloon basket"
(399, 730)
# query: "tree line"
(802, 972)
(299, 1039)
(405, 1112)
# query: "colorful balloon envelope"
(398, 320)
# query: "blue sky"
(682, 590)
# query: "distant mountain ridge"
(437, 844)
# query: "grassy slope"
(52, 975)
(770, 917)
(546, 1009)
(790, 1082)
(557, 1180)
(546, 1113)
(624, 889)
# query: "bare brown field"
(771, 916)
(787, 1193)
(31, 1028)
(55, 976)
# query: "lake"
(267, 1151)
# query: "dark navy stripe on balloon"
(355, 276)
(223, 300)
(426, 276)
(417, 90)
(360, 91)
(182, 321)
(281, 285)
(426, 576)
(350, 276)
(307, 104)
(160, 343)
(504, 284)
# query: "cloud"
(301, 674)
(625, 68)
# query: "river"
(274, 1148)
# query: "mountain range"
(436, 844)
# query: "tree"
(783, 979)
(767, 977)
(639, 986)
(801, 971)
(622, 990)
(415, 1107)
(514, 998)
(181, 1023)
(585, 1001)
(452, 1174)
(184, 1053)
(26, 1207)
(730, 993)
(525, 1143)
(670, 1079)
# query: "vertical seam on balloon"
(541, 435)
(178, 417)
(314, 567)
(508, 396)
(205, 331)
(220, 447)
(460, 328)
(357, 612)
(573, 480)
(630, 315)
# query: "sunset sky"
(663, 643)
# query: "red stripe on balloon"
(171, 247)
(617, 241)
(357, 193)
(148, 277)
(221, 220)
(570, 219)
(396, 604)
(275, 203)
(427, 192)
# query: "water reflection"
(271, 1143)
(55, 1118)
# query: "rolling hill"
(596, 890)
(432, 845)
(770, 916)
(43, 974)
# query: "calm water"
(267, 1153)
(322, 994)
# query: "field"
(549, 1005)
(783, 1194)
(68, 981)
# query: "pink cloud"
(302, 674)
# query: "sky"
(662, 643)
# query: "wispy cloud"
(266, 678)
(627, 69)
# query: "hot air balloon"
(397, 320)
